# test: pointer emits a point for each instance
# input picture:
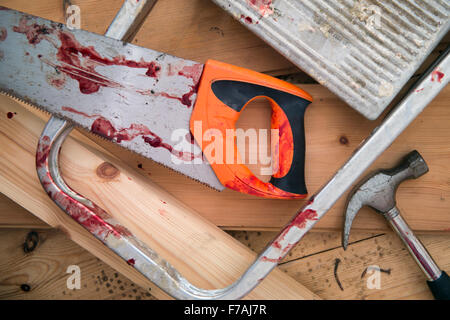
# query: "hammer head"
(378, 189)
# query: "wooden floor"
(35, 258)
(318, 262)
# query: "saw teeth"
(83, 131)
(21, 100)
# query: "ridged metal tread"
(363, 51)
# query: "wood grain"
(175, 28)
(328, 121)
(311, 262)
(42, 272)
(14, 216)
(207, 256)
(192, 29)
(402, 278)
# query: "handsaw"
(158, 270)
(165, 108)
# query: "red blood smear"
(131, 262)
(3, 34)
(300, 222)
(34, 32)
(266, 259)
(185, 98)
(247, 19)
(83, 69)
(193, 72)
(72, 110)
(69, 53)
(100, 212)
(43, 151)
(92, 218)
(168, 96)
(79, 62)
(87, 217)
(189, 138)
(153, 70)
(122, 230)
(90, 81)
(263, 6)
(10, 115)
(156, 142)
(252, 185)
(437, 75)
(91, 221)
(301, 219)
(104, 128)
(58, 83)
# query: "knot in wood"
(107, 171)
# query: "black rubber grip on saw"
(287, 109)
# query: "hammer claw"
(378, 192)
(353, 206)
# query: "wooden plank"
(41, 272)
(333, 131)
(96, 15)
(402, 278)
(198, 249)
(192, 29)
(312, 262)
(14, 216)
(183, 25)
(429, 134)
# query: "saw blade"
(138, 98)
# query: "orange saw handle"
(224, 92)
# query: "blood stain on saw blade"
(105, 128)
(140, 166)
(90, 81)
(191, 72)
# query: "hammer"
(378, 192)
